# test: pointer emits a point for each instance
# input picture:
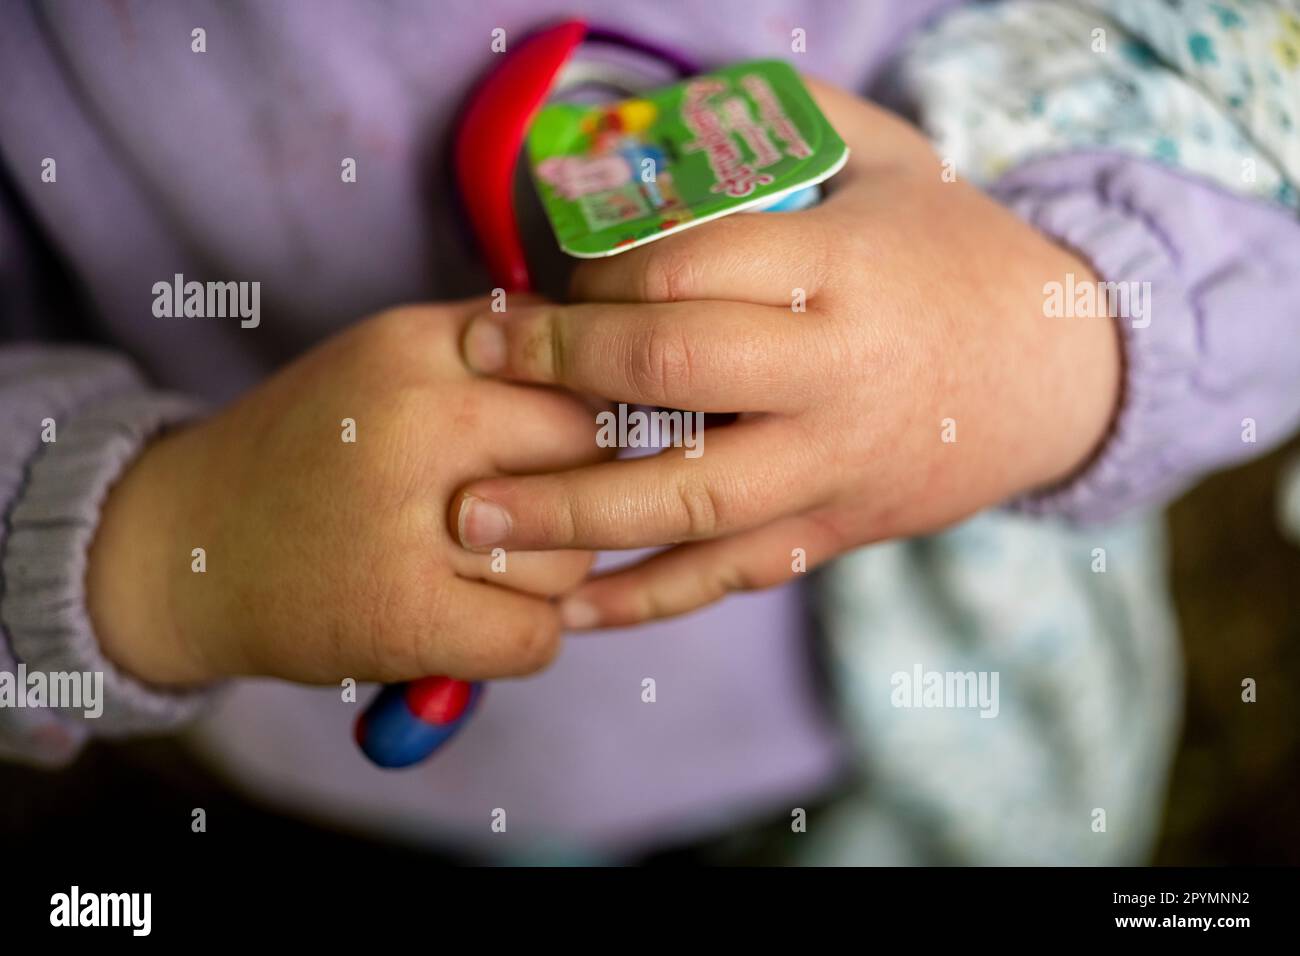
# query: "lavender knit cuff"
(43, 607)
(1205, 355)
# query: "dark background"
(1236, 783)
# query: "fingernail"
(578, 615)
(481, 523)
(485, 346)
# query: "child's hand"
(327, 559)
(924, 304)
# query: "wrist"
(132, 570)
(1078, 383)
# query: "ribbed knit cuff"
(51, 526)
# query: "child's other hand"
(924, 304)
(328, 559)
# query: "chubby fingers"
(544, 573)
(766, 258)
(469, 630)
(763, 258)
(771, 259)
(691, 576)
(705, 356)
(549, 430)
(487, 631)
(747, 474)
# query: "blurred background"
(1231, 800)
(1236, 585)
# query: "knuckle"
(394, 328)
(557, 348)
(700, 515)
(663, 363)
(541, 345)
(537, 645)
(397, 462)
(399, 624)
(406, 406)
(397, 646)
(558, 521)
(403, 339)
(650, 605)
(731, 578)
(669, 275)
(816, 251)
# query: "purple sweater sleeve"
(73, 419)
(1214, 378)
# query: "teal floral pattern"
(1213, 88)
